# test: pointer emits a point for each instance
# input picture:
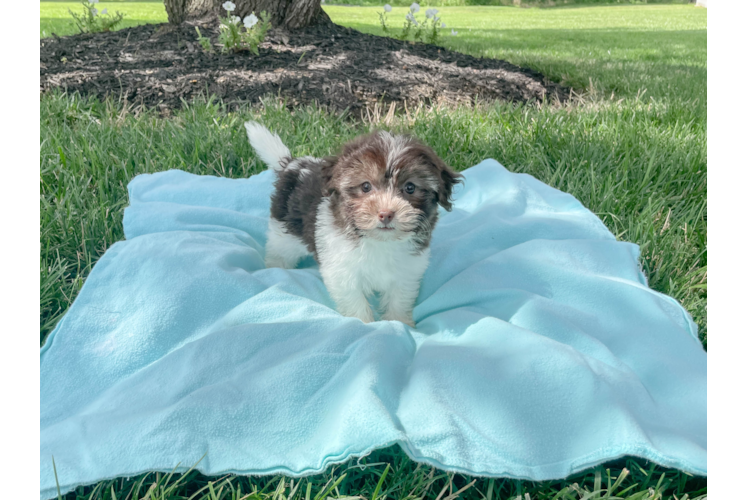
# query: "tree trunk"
(288, 14)
(197, 9)
(176, 10)
(302, 13)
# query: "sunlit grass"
(55, 17)
(626, 49)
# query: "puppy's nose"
(386, 216)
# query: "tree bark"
(197, 9)
(176, 11)
(301, 13)
(290, 14)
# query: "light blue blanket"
(539, 349)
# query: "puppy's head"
(389, 187)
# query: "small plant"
(204, 41)
(426, 30)
(232, 37)
(93, 21)
(418, 33)
(383, 17)
(432, 25)
(410, 22)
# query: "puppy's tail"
(268, 146)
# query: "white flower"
(94, 11)
(454, 32)
(414, 7)
(228, 6)
(250, 20)
(409, 17)
(444, 25)
(431, 13)
(103, 11)
(93, 1)
(236, 19)
(387, 7)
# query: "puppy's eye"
(410, 188)
(365, 187)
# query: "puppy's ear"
(328, 172)
(448, 179)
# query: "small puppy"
(366, 215)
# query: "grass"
(387, 473)
(636, 158)
(56, 18)
(616, 49)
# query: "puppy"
(366, 215)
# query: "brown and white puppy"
(366, 215)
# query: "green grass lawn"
(623, 49)
(56, 18)
(636, 158)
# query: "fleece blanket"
(539, 349)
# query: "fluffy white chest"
(367, 264)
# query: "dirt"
(336, 67)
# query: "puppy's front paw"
(409, 322)
(274, 261)
(407, 319)
(364, 315)
(356, 309)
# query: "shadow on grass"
(622, 61)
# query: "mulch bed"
(334, 66)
